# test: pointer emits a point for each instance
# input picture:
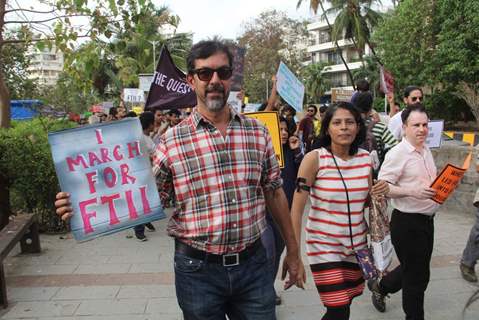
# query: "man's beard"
(217, 104)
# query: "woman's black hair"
(290, 125)
(324, 140)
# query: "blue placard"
(107, 171)
(289, 87)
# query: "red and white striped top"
(327, 228)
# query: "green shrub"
(27, 163)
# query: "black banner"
(238, 67)
(169, 89)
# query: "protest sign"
(386, 81)
(289, 87)
(144, 81)
(338, 94)
(447, 181)
(107, 171)
(271, 120)
(251, 107)
(434, 137)
(133, 95)
(169, 89)
(234, 100)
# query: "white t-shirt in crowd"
(395, 126)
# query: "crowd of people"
(236, 211)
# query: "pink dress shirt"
(406, 167)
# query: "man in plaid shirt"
(224, 173)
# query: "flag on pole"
(386, 80)
(169, 89)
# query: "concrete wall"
(455, 152)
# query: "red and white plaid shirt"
(218, 181)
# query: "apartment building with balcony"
(322, 49)
(45, 65)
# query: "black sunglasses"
(205, 74)
(414, 99)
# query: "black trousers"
(412, 235)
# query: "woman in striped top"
(336, 273)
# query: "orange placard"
(447, 181)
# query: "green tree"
(434, 43)
(457, 48)
(269, 39)
(115, 62)
(315, 81)
(55, 24)
(68, 95)
(354, 19)
(14, 63)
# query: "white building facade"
(46, 65)
(323, 50)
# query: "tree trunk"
(4, 104)
(470, 93)
(340, 51)
(4, 94)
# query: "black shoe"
(141, 237)
(468, 273)
(150, 227)
(377, 297)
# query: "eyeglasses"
(205, 74)
(311, 110)
(414, 99)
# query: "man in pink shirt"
(409, 169)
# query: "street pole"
(267, 90)
(153, 43)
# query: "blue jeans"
(209, 291)
(471, 252)
(273, 242)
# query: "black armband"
(301, 185)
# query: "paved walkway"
(117, 277)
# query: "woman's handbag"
(380, 234)
(363, 256)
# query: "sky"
(207, 18)
(225, 18)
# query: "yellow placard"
(137, 110)
(271, 120)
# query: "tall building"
(323, 49)
(46, 65)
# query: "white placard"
(145, 81)
(289, 87)
(435, 133)
(133, 95)
(234, 101)
(251, 107)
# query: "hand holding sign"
(107, 172)
(447, 181)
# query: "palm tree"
(314, 6)
(316, 83)
(355, 18)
